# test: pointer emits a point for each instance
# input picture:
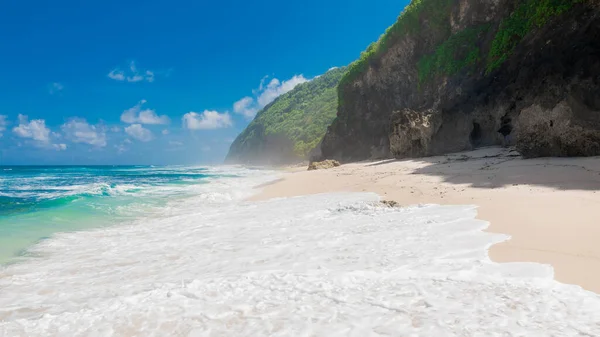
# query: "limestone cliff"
(450, 74)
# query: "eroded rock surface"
(323, 165)
(545, 90)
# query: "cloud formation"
(37, 131)
(265, 94)
(245, 107)
(79, 131)
(59, 147)
(132, 74)
(55, 88)
(3, 124)
(275, 88)
(138, 115)
(121, 148)
(137, 131)
(207, 120)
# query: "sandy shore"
(550, 207)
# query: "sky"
(161, 82)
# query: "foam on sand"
(322, 265)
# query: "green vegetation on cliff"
(528, 15)
(295, 122)
(408, 22)
(449, 74)
(461, 50)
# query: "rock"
(315, 154)
(323, 165)
(412, 132)
(410, 99)
(390, 203)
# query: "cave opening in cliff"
(476, 135)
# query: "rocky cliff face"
(451, 73)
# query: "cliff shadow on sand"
(494, 167)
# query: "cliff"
(450, 74)
(286, 130)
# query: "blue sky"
(161, 82)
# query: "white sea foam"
(326, 265)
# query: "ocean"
(38, 201)
(177, 251)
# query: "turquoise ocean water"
(38, 201)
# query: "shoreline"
(546, 206)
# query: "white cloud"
(136, 114)
(117, 75)
(115, 129)
(3, 124)
(165, 132)
(149, 76)
(55, 88)
(246, 107)
(261, 86)
(133, 74)
(150, 117)
(79, 131)
(138, 132)
(59, 147)
(121, 148)
(265, 94)
(175, 143)
(35, 129)
(207, 120)
(277, 88)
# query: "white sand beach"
(550, 206)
